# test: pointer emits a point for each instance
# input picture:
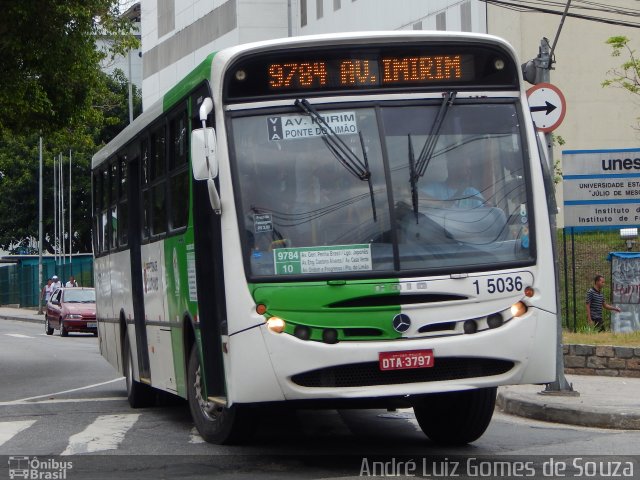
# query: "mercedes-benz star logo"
(401, 323)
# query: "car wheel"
(47, 328)
(63, 331)
(216, 424)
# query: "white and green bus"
(340, 221)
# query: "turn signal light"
(261, 309)
(518, 309)
(529, 292)
(276, 325)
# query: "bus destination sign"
(354, 72)
(374, 68)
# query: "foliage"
(582, 255)
(19, 167)
(49, 61)
(627, 76)
(557, 165)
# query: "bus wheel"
(138, 394)
(456, 418)
(216, 424)
(47, 328)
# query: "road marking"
(63, 400)
(17, 335)
(22, 400)
(106, 433)
(9, 429)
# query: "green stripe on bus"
(187, 84)
(349, 308)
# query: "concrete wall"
(596, 117)
(200, 27)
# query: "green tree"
(627, 76)
(49, 63)
(19, 166)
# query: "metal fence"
(19, 282)
(583, 255)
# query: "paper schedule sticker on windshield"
(337, 258)
(292, 127)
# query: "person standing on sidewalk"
(595, 304)
(47, 290)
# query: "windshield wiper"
(430, 144)
(417, 168)
(341, 151)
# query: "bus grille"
(366, 374)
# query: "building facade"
(177, 35)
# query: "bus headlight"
(276, 325)
(518, 309)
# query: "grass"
(591, 337)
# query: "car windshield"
(448, 199)
(79, 296)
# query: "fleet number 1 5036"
(502, 284)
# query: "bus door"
(137, 293)
(209, 272)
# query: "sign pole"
(560, 386)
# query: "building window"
(336, 5)
(417, 26)
(166, 16)
(319, 8)
(441, 21)
(303, 13)
(465, 16)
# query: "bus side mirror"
(200, 150)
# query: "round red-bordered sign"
(547, 105)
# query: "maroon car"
(71, 310)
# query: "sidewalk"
(21, 314)
(604, 402)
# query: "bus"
(355, 220)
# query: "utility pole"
(538, 71)
(40, 232)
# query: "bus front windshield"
(396, 189)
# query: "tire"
(139, 395)
(63, 331)
(456, 418)
(47, 328)
(219, 425)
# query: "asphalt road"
(59, 396)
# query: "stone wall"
(602, 360)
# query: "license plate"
(92, 325)
(405, 360)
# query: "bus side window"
(178, 171)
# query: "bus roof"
(224, 57)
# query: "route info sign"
(601, 188)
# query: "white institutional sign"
(601, 187)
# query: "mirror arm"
(214, 197)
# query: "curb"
(523, 406)
(36, 319)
